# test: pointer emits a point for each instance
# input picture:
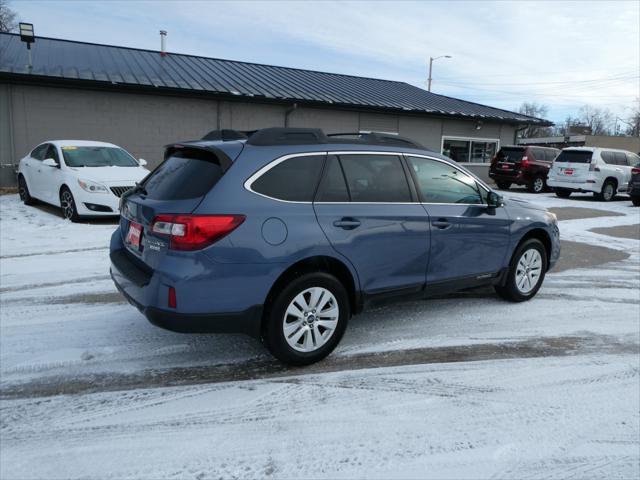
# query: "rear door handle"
(347, 223)
(441, 223)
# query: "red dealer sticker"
(134, 234)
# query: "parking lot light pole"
(431, 59)
(27, 36)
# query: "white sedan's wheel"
(311, 319)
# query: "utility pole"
(431, 59)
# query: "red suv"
(522, 165)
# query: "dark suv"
(283, 234)
(634, 185)
(522, 165)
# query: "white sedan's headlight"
(92, 187)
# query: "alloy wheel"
(22, 189)
(311, 319)
(538, 185)
(66, 202)
(528, 271)
(607, 192)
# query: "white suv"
(603, 171)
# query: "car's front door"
(369, 212)
(468, 239)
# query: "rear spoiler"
(199, 149)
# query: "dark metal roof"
(68, 61)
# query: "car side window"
(551, 155)
(539, 154)
(621, 159)
(52, 153)
(375, 178)
(293, 180)
(38, 153)
(333, 187)
(633, 159)
(440, 182)
(608, 158)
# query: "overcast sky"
(562, 54)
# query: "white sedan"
(84, 178)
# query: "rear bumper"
(131, 285)
(585, 187)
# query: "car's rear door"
(468, 239)
(32, 170)
(623, 170)
(368, 210)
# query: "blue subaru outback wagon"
(285, 233)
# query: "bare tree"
(599, 120)
(633, 121)
(537, 110)
(8, 21)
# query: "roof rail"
(377, 138)
(308, 136)
(225, 135)
(287, 136)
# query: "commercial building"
(632, 144)
(143, 99)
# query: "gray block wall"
(144, 123)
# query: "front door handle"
(441, 223)
(347, 223)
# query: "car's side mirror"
(494, 200)
(142, 162)
(50, 162)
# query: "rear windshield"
(511, 153)
(573, 156)
(181, 177)
(97, 157)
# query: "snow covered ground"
(550, 417)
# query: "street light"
(431, 59)
(27, 36)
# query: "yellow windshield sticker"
(69, 148)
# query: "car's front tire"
(68, 205)
(23, 191)
(306, 319)
(635, 201)
(562, 192)
(503, 185)
(526, 272)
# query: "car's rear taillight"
(193, 232)
(524, 162)
(635, 171)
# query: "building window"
(470, 150)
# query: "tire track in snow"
(263, 369)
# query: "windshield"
(97, 157)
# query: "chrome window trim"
(248, 183)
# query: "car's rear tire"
(608, 191)
(635, 201)
(503, 185)
(306, 319)
(526, 273)
(537, 185)
(68, 205)
(562, 192)
(23, 191)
